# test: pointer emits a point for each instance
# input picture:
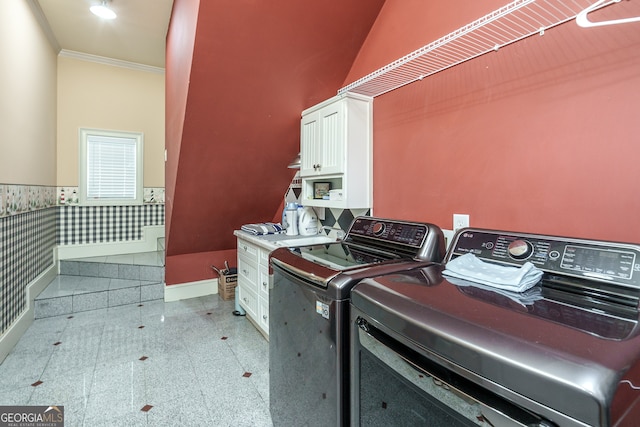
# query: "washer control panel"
(405, 233)
(607, 261)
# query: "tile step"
(68, 294)
(112, 270)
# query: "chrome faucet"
(339, 232)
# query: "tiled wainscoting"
(26, 250)
(101, 224)
(341, 218)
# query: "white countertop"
(275, 241)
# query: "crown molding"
(110, 61)
(44, 24)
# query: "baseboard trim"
(148, 243)
(11, 337)
(190, 290)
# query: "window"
(110, 167)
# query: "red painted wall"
(179, 54)
(239, 73)
(541, 136)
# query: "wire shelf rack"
(509, 24)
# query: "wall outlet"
(460, 221)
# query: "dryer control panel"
(590, 259)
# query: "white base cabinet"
(253, 283)
(254, 280)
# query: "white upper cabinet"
(336, 152)
(323, 139)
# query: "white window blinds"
(111, 167)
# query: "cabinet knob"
(264, 316)
(264, 284)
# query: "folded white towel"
(263, 228)
(514, 279)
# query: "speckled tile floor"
(186, 363)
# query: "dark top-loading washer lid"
(326, 260)
(546, 354)
(336, 267)
(342, 256)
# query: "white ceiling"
(137, 35)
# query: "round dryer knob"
(520, 249)
(378, 228)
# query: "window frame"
(84, 135)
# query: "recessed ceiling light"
(103, 11)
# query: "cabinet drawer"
(248, 251)
(249, 301)
(263, 315)
(248, 274)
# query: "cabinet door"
(309, 144)
(263, 315)
(332, 139)
(263, 284)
